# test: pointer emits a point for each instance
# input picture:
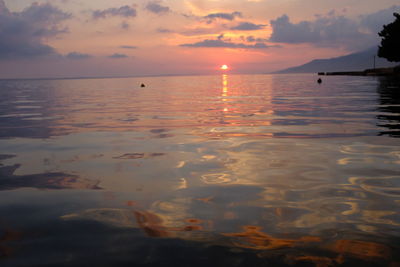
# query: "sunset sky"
(70, 38)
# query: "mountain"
(353, 62)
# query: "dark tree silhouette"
(390, 43)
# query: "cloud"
(163, 30)
(128, 46)
(332, 30)
(286, 32)
(252, 39)
(374, 22)
(123, 11)
(225, 16)
(77, 55)
(248, 26)
(117, 55)
(226, 44)
(125, 25)
(22, 34)
(157, 8)
(201, 31)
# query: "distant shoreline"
(394, 71)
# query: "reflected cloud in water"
(50, 180)
(174, 219)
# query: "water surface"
(231, 170)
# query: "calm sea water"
(229, 170)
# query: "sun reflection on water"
(225, 91)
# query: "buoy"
(142, 85)
(319, 80)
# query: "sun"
(224, 67)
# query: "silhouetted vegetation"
(390, 42)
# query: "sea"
(222, 170)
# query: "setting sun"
(224, 67)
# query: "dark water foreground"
(256, 170)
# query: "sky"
(97, 38)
